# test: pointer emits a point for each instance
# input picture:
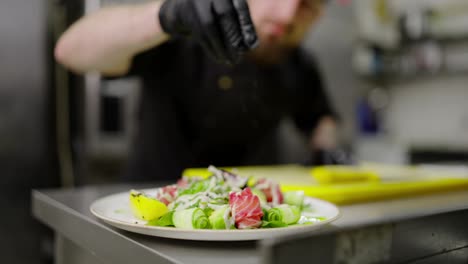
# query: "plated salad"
(223, 200)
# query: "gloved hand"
(223, 27)
(329, 157)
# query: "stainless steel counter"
(406, 230)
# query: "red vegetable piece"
(246, 209)
(167, 194)
(271, 190)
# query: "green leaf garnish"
(165, 220)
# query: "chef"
(218, 77)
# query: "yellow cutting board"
(348, 184)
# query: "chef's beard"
(277, 50)
(271, 54)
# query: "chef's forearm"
(107, 40)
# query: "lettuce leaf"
(195, 187)
(273, 224)
(165, 220)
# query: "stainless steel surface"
(67, 212)
(401, 209)
(432, 237)
(67, 252)
(453, 257)
(440, 238)
(364, 245)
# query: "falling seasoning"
(225, 82)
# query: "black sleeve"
(156, 60)
(311, 100)
(152, 63)
(160, 148)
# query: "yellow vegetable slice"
(146, 208)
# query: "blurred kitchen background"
(396, 70)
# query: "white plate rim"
(209, 234)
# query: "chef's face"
(283, 23)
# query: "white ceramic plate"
(115, 210)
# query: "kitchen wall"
(431, 113)
(332, 42)
(426, 112)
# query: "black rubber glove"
(223, 27)
(329, 157)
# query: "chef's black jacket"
(195, 112)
